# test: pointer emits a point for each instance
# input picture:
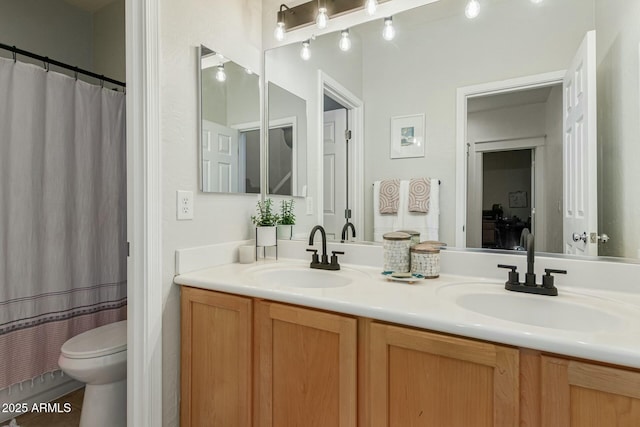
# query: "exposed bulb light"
(345, 41)
(220, 74)
(248, 71)
(473, 9)
(371, 6)
(279, 31)
(536, 1)
(305, 52)
(322, 19)
(388, 32)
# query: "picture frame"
(518, 199)
(407, 136)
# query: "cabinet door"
(216, 359)
(425, 379)
(306, 374)
(584, 394)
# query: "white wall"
(233, 28)
(420, 71)
(618, 38)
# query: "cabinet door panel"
(307, 367)
(425, 379)
(584, 395)
(216, 359)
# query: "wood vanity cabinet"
(216, 359)
(306, 367)
(419, 378)
(578, 393)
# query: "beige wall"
(234, 29)
(108, 41)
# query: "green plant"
(265, 217)
(286, 212)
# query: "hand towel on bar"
(382, 223)
(419, 194)
(428, 225)
(389, 196)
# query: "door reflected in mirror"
(230, 125)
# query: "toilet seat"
(101, 341)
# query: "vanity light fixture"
(279, 32)
(388, 32)
(473, 9)
(322, 19)
(345, 41)
(371, 6)
(220, 74)
(305, 52)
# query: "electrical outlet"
(184, 205)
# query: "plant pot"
(266, 236)
(285, 231)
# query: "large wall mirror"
(506, 126)
(230, 125)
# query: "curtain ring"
(15, 54)
(102, 82)
(46, 63)
(75, 69)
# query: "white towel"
(428, 225)
(384, 223)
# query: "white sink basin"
(303, 277)
(568, 311)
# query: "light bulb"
(248, 71)
(305, 52)
(345, 41)
(322, 19)
(388, 32)
(371, 6)
(220, 74)
(536, 1)
(473, 9)
(279, 31)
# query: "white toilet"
(98, 357)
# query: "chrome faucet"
(324, 263)
(529, 286)
(345, 232)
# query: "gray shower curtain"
(62, 214)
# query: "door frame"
(464, 93)
(355, 108)
(144, 214)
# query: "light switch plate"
(184, 205)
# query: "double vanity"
(276, 343)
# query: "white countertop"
(431, 304)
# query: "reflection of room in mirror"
(438, 51)
(230, 126)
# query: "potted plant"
(265, 221)
(287, 220)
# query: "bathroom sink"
(303, 277)
(569, 311)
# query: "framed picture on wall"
(518, 199)
(407, 136)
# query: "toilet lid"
(101, 341)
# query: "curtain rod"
(47, 60)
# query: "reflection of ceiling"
(511, 99)
(89, 5)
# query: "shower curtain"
(62, 215)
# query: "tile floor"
(71, 419)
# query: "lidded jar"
(425, 260)
(415, 236)
(396, 246)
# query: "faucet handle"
(314, 257)
(514, 276)
(337, 253)
(334, 258)
(547, 279)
